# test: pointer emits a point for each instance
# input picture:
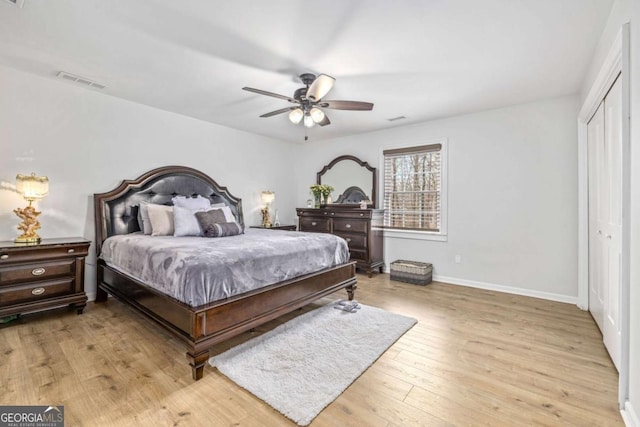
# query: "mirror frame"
(374, 173)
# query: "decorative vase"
(318, 200)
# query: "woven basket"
(417, 273)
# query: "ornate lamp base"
(21, 239)
(29, 225)
(266, 217)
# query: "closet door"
(605, 218)
(613, 227)
(597, 220)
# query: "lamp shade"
(308, 121)
(268, 196)
(316, 114)
(296, 115)
(32, 187)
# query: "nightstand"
(279, 227)
(35, 277)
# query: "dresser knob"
(4, 256)
(70, 251)
(348, 239)
(361, 214)
(38, 272)
(37, 291)
(348, 225)
(325, 213)
(333, 213)
(314, 224)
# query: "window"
(413, 183)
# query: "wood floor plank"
(476, 357)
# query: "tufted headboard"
(352, 195)
(116, 211)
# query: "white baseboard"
(91, 296)
(629, 415)
(508, 289)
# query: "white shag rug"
(305, 364)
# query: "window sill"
(413, 234)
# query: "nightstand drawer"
(322, 225)
(37, 271)
(350, 225)
(34, 253)
(35, 291)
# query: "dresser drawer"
(35, 291)
(320, 225)
(357, 255)
(354, 213)
(350, 225)
(36, 271)
(355, 241)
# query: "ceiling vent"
(393, 119)
(80, 80)
(18, 3)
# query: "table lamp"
(31, 187)
(267, 198)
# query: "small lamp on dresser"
(32, 188)
(267, 199)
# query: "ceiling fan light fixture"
(316, 114)
(320, 87)
(296, 115)
(308, 121)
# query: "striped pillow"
(214, 224)
(223, 229)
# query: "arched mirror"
(352, 179)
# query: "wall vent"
(393, 119)
(18, 3)
(80, 80)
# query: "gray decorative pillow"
(210, 217)
(214, 223)
(223, 229)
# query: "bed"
(200, 325)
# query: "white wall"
(512, 198)
(633, 406)
(86, 143)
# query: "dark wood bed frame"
(204, 326)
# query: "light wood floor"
(475, 358)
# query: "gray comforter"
(198, 270)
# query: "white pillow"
(144, 216)
(198, 202)
(161, 218)
(185, 222)
(227, 213)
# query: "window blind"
(412, 187)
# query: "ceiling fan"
(309, 101)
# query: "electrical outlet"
(458, 259)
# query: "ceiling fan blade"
(320, 87)
(325, 121)
(347, 105)
(280, 111)
(264, 92)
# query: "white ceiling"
(421, 59)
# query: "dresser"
(359, 227)
(40, 276)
